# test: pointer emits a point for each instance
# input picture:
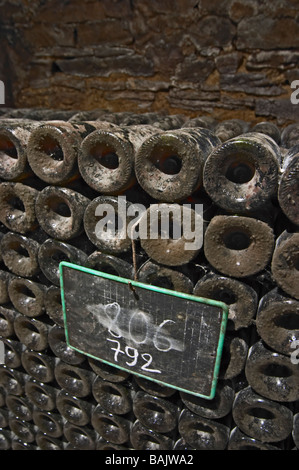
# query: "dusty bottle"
(158, 414)
(74, 379)
(288, 190)
(238, 246)
(143, 438)
(7, 317)
(295, 432)
(32, 332)
(52, 252)
(169, 165)
(113, 397)
(290, 136)
(53, 148)
(38, 365)
(5, 439)
(234, 354)
(271, 374)
(230, 128)
(169, 235)
(106, 223)
(201, 121)
(60, 348)
(45, 442)
(53, 305)
(49, 422)
(202, 433)
(241, 175)
(105, 445)
(268, 128)
(24, 430)
(19, 254)
(107, 372)
(154, 388)
(13, 353)
(277, 321)
(219, 407)
(12, 380)
(111, 427)
(161, 276)
(4, 280)
(43, 396)
(14, 136)
(285, 263)
(261, 418)
(79, 437)
(27, 296)
(241, 298)
(106, 158)
(60, 211)
(240, 441)
(21, 407)
(17, 207)
(110, 264)
(74, 409)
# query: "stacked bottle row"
(56, 168)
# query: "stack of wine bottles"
(56, 167)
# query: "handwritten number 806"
(134, 355)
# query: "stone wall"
(229, 58)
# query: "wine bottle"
(13, 353)
(169, 164)
(241, 298)
(17, 207)
(49, 422)
(19, 444)
(79, 437)
(230, 128)
(218, 407)
(4, 417)
(202, 433)
(241, 175)
(106, 157)
(27, 296)
(19, 406)
(240, 441)
(12, 380)
(285, 263)
(4, 280)
(107, 372)
(234, 354)
(5, 439)
(238, 246)
(268, 128)
(171, 235)
(7, 317)
(106, 222)
(45, 442)
(38, 365)
(208, 122)
(73, 409)
(52, 151)
(113, 397)
(143, 438)
(156, 274)
(111, 427)
(74, 379)
(271, 374)
(24, 430)
(60, 348)
(154, 388)
(53, 305)
(60, 211)
(157, 414)
(52, 252)
(288, 190)
(277, 321)
(19, 254)
(31, 332)
(261, 418)
(290, 135)
(14, 136)
(295, 431)
(43, 396)
(101, 444)
(110, 264)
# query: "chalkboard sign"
(172, 338)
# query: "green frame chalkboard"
(183, 362)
